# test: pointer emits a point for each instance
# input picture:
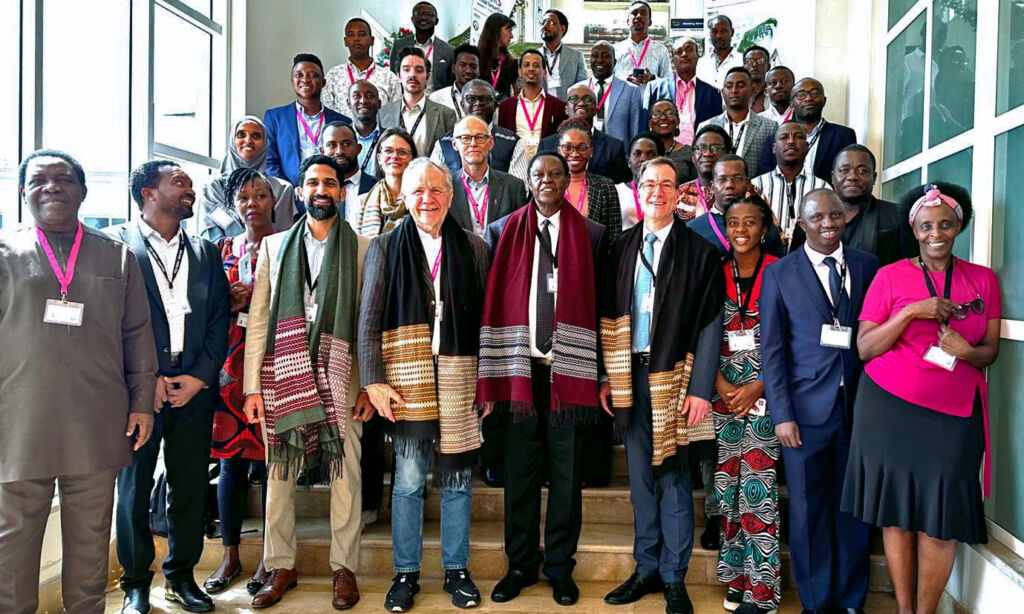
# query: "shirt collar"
(149, 233)
(484, 181)
(369, 137)
(552, 53)
(419, 106)
(426, 45)
(315, 115)
(354, 179)
(692, 82)
(426, 239)
(640, 44)
(307, 234)
(555, 217)
(663, 233)
(732, 55)
(817, 258)
(804, 171)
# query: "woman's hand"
(953, 343)
(935, 308)
(741, 400)
(239, 296)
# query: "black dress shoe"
(136, 601)
(711, 538)
(564, 590)
(214, 585)
(676, 599)
(633, 590)
(189, 595)
(509, 587)
(493, 479)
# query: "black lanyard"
(371, 152)
(160, 262)
(947, 291)
(415, 124)
(650, 269)
(833, 302)
(739, 137)
(742, 303)
(456, 104)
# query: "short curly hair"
(147, 175)
(50, 153)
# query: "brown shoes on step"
(279, 582)
(346, 593)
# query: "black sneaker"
(459, 585)
(403, 587)
(733, 599)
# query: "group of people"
(673, 252)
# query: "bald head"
(472, 139)
(582, 102)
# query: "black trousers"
(534, 449)
(186, 432)
(371, 463)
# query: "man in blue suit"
(825, 139)
(609, 157)
(809, 305)
(295, 130)
(698, 101)
(620, 105)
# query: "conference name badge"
(178, 307)
(759, 408)
(222, 218)
(553, 282)
(740, 340)
(311, 312)
(940, 357)
(243, 319)
(647, 302)
(836, 336)
(62, 312)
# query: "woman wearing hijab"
(247, 148)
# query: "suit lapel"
(618, 86)
(197, 291)
(460, 203)
(856, 269)
(431, 122)
(133, 236)
(812, 285)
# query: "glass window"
(1007, 223)
(203, 7)
(181, 83)
(893, 190)
(10, 73)
(954, 32)
(957, 169)
(899, 8)
(904, 94)
(1010, 86)
(1006, 421)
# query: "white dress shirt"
(530, 137)
(314, 260)
(784, 197)
(308, 147)
(352, 200)
(822, 271)
(409, 116)
(168, 253)
(813, 138)
(431, 249)
(479, 192)
(658, 245)
(553, 231)
(554, 80)
(738, 131)
(712, 70)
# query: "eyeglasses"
(713, 149)
(568, 149)
(401, 153)
(671, 114)
(416, 14)
(577, 99)
(472, 99)
(756, 61)
(730, 179)
(803, 94)
(479, 139)
(650, 186)
(977, 306)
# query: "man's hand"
(142, 422)
(605, 394)
(788, 434)
(696, 409)
(642, 79)
(187, 387)
(363, 410)
(381, 395)
(253, 407)
(742, 399)
(488, 408)
(161, 394)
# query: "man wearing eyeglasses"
(695, 99)
(482, 194)
(661, 358)
(434, 48)
(609, 153)
(565, 64)
(824, 139)
(757, 60)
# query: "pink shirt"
(686, 93)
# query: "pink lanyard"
(369, 73)
(700, 195)
(785, 118)
(636, 199)
(532, 123)
(606, 92)
(430, 51)
(711, 218)
(479, 211)
(313, 138)
(636, 62)
(583, 194)
(63, 277)
(437, 264)
(497, 73)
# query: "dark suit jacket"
(702, 226)
(283, 140)
(507, 193)
(624, 112)
(707, 101)
(551, 116)
(608, 160)
(599, 242)
(366, 182)
(441, 60)
(880, 228)
(801, 377)
(438, 120)
(833, 137)
(206, 328)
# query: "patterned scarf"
(505, 373)
(690, 271)
(438, 413)
(380, 213)
(305, 375)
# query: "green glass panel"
(904, 94)
(899, 8)
(954, 32)
(1010, 66)
(894, 189)
(1007, 222)
(1006, 422)
(957, 169)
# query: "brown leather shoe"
(346, 593)
(279, 581)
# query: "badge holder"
(243, 319)
(553, 282)
(63, 312)
(740, 340)
(759, 408)
(836, 336)
(940, 358)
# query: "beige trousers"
(279, 548)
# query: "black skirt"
(915, 468)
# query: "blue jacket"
(802, 377)
(831, 139)
(283, 140)
(624, 111)
(707, 102)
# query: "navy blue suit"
(814, 386)
(702, 226)
(707, 101)
(283, 151)
(831, 140)
(609, 159)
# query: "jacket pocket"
(804, 371)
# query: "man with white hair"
(696, 100)
(419, 328)
(482, 194)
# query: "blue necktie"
(837, 288)
(644, 284)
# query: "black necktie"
(545, 299)
(600, 97)
(837, 287)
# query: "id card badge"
(647, 302)
(439, 310)
(59, 312)
(553, 282)
(940, 357)
(311, 310)
(242, 320)
(740, 340)
(759, 408)
(835, 336)
(554, 80)
(221, 217)
(178, 307)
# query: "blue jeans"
(407, 517)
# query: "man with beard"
(729, 183)
(778, 84)
(565, 64)
(533, 114)
(360, 67)
(786, 185)
(342, 143)
(508, 154)
(424, 120)
(465, 68)
(714, 67)
(435, 49)
(757, 60)
(696, 100)
(190, 309)
(364, 100)
(641, 60)
(748, 131)
(306, 393)
(824, 139)
(609, 153)
(620, 107)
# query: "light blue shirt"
(371, 166)
(306, 146)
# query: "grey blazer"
(507, 193)
(572, 69)
(439, 120)
(759, 131)
(441, 60)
